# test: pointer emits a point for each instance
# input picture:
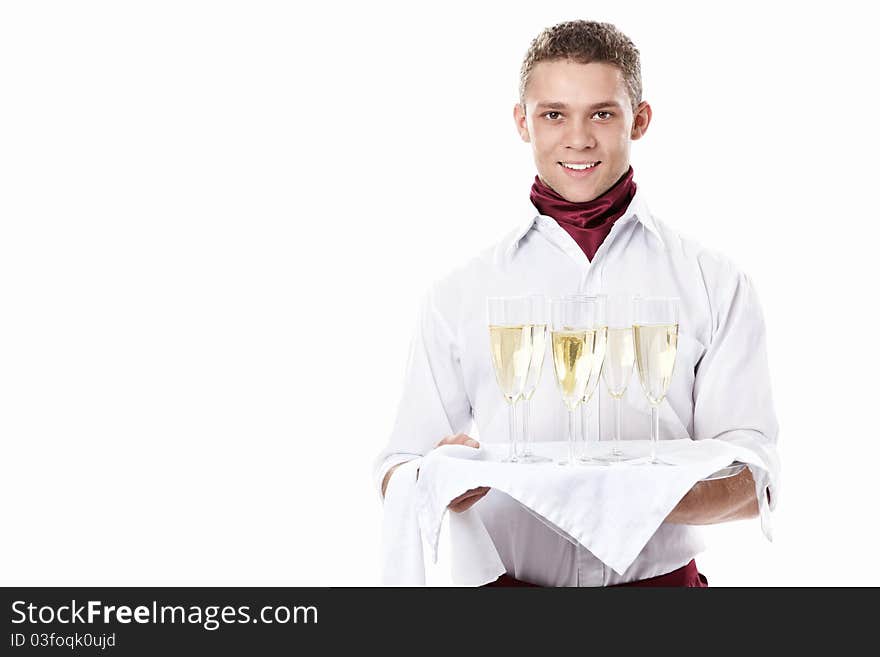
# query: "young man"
(588, 230)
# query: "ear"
(522, 127)
(641, 120)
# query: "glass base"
(534, 458)
(591, 460)
(646, 460)
(612, 458)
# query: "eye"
(608, 115)
(552, 118)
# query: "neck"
(587, 222)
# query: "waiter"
(587, 229)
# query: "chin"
(577, 194)
(582, 198)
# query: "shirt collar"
(637, 209)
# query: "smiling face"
(580, 121)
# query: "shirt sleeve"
(732, 397)
(434, 403)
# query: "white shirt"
(720, 388)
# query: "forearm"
(720, 500)
(387, 476)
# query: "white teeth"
(578, 167)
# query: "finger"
(473, 492)
(461, 498)
(459, 439)
(462, 507)
(467, 504)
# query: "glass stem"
(655, 432)
(571, 435)
(617, 425)
(526, 445)
(585, 420)
(511, 415)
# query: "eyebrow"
(562, 106)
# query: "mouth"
(579, 169)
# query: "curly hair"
(584, 42)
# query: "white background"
(216, 219)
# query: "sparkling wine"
(571, 360)
(655, 347)
(511, 348)
(619, 361)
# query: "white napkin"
(612, 510)
(475, 560)
(402, 557)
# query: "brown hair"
(584, 42)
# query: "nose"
(580, 134)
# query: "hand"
(716, 501)
(467, 499)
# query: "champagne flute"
(570, 322)
(596, 341)
(510, 340)
(538, 326)
(655, 338)
(619, 359)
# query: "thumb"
(470, 442)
